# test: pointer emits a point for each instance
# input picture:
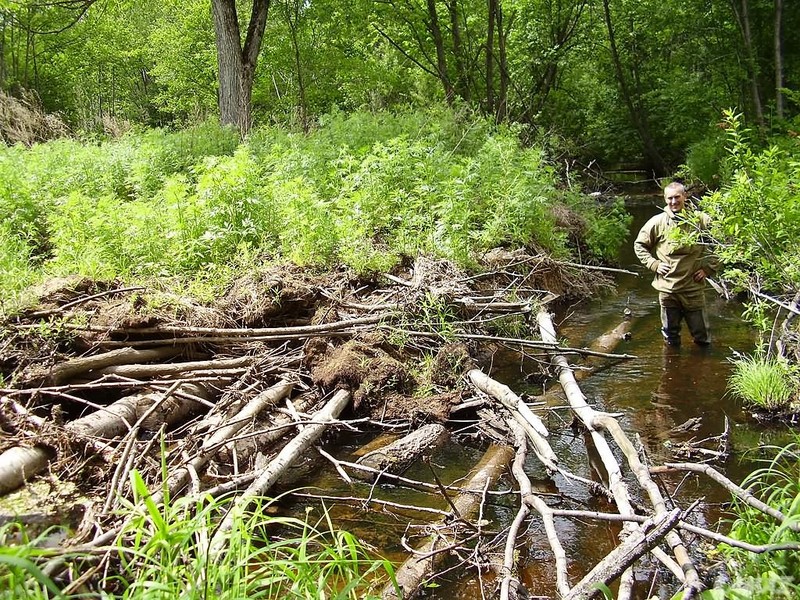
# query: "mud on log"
(397, 456)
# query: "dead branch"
(279, 464)
(623, 556)
(77, 366)
(741, 493)
(530, 499)
(223, 434)
(107, 422)
(533, 425)
(139, 371)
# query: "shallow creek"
(658, 390)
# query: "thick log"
(402, 453)
(277, 466)
(107, 422)
(77, 366)
(412, 573)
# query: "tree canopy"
(622, 80)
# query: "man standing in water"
(680, 266)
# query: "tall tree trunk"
(441, 58)
(292, 21)
(742, 13)
(490, 21)
(502, 57)
(778, 58)
(237, 63)
(635, 109)
(462, 79)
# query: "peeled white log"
(533, 425)
(20, 464)
(585, 413)
(278, 465)
(211, 444)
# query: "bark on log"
(411, 574)
(307, 436)
(139, 371)
(67, 370)
(107, 422)
(401, 454)
(623, 556)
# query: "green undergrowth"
(163, 553)
(770, 574)
(364, 190)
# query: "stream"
(661, 388)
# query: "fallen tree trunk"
(111, 421)
(402, 453)
(623, 556)
(307, 436)
(412, 573)
(585, 413)
(533, 425)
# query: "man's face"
(675, 199)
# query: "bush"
(764, 382)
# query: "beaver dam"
(353, 393)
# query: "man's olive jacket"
(656, 243)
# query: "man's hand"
(663, 269)
(699, 275)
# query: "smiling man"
(670, 244)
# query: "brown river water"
(658, 390)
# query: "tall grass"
(363, 190)
(163, 553)
(763, 381)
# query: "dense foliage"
(364, 190)
(621, 80)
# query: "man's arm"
(643, 247)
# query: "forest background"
(195, 137)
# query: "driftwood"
(533, 425)
(418, 567)
(402, 453)
(172, 369)
(585, 413)
(111, 421)
(509, 585)
(307, 436)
